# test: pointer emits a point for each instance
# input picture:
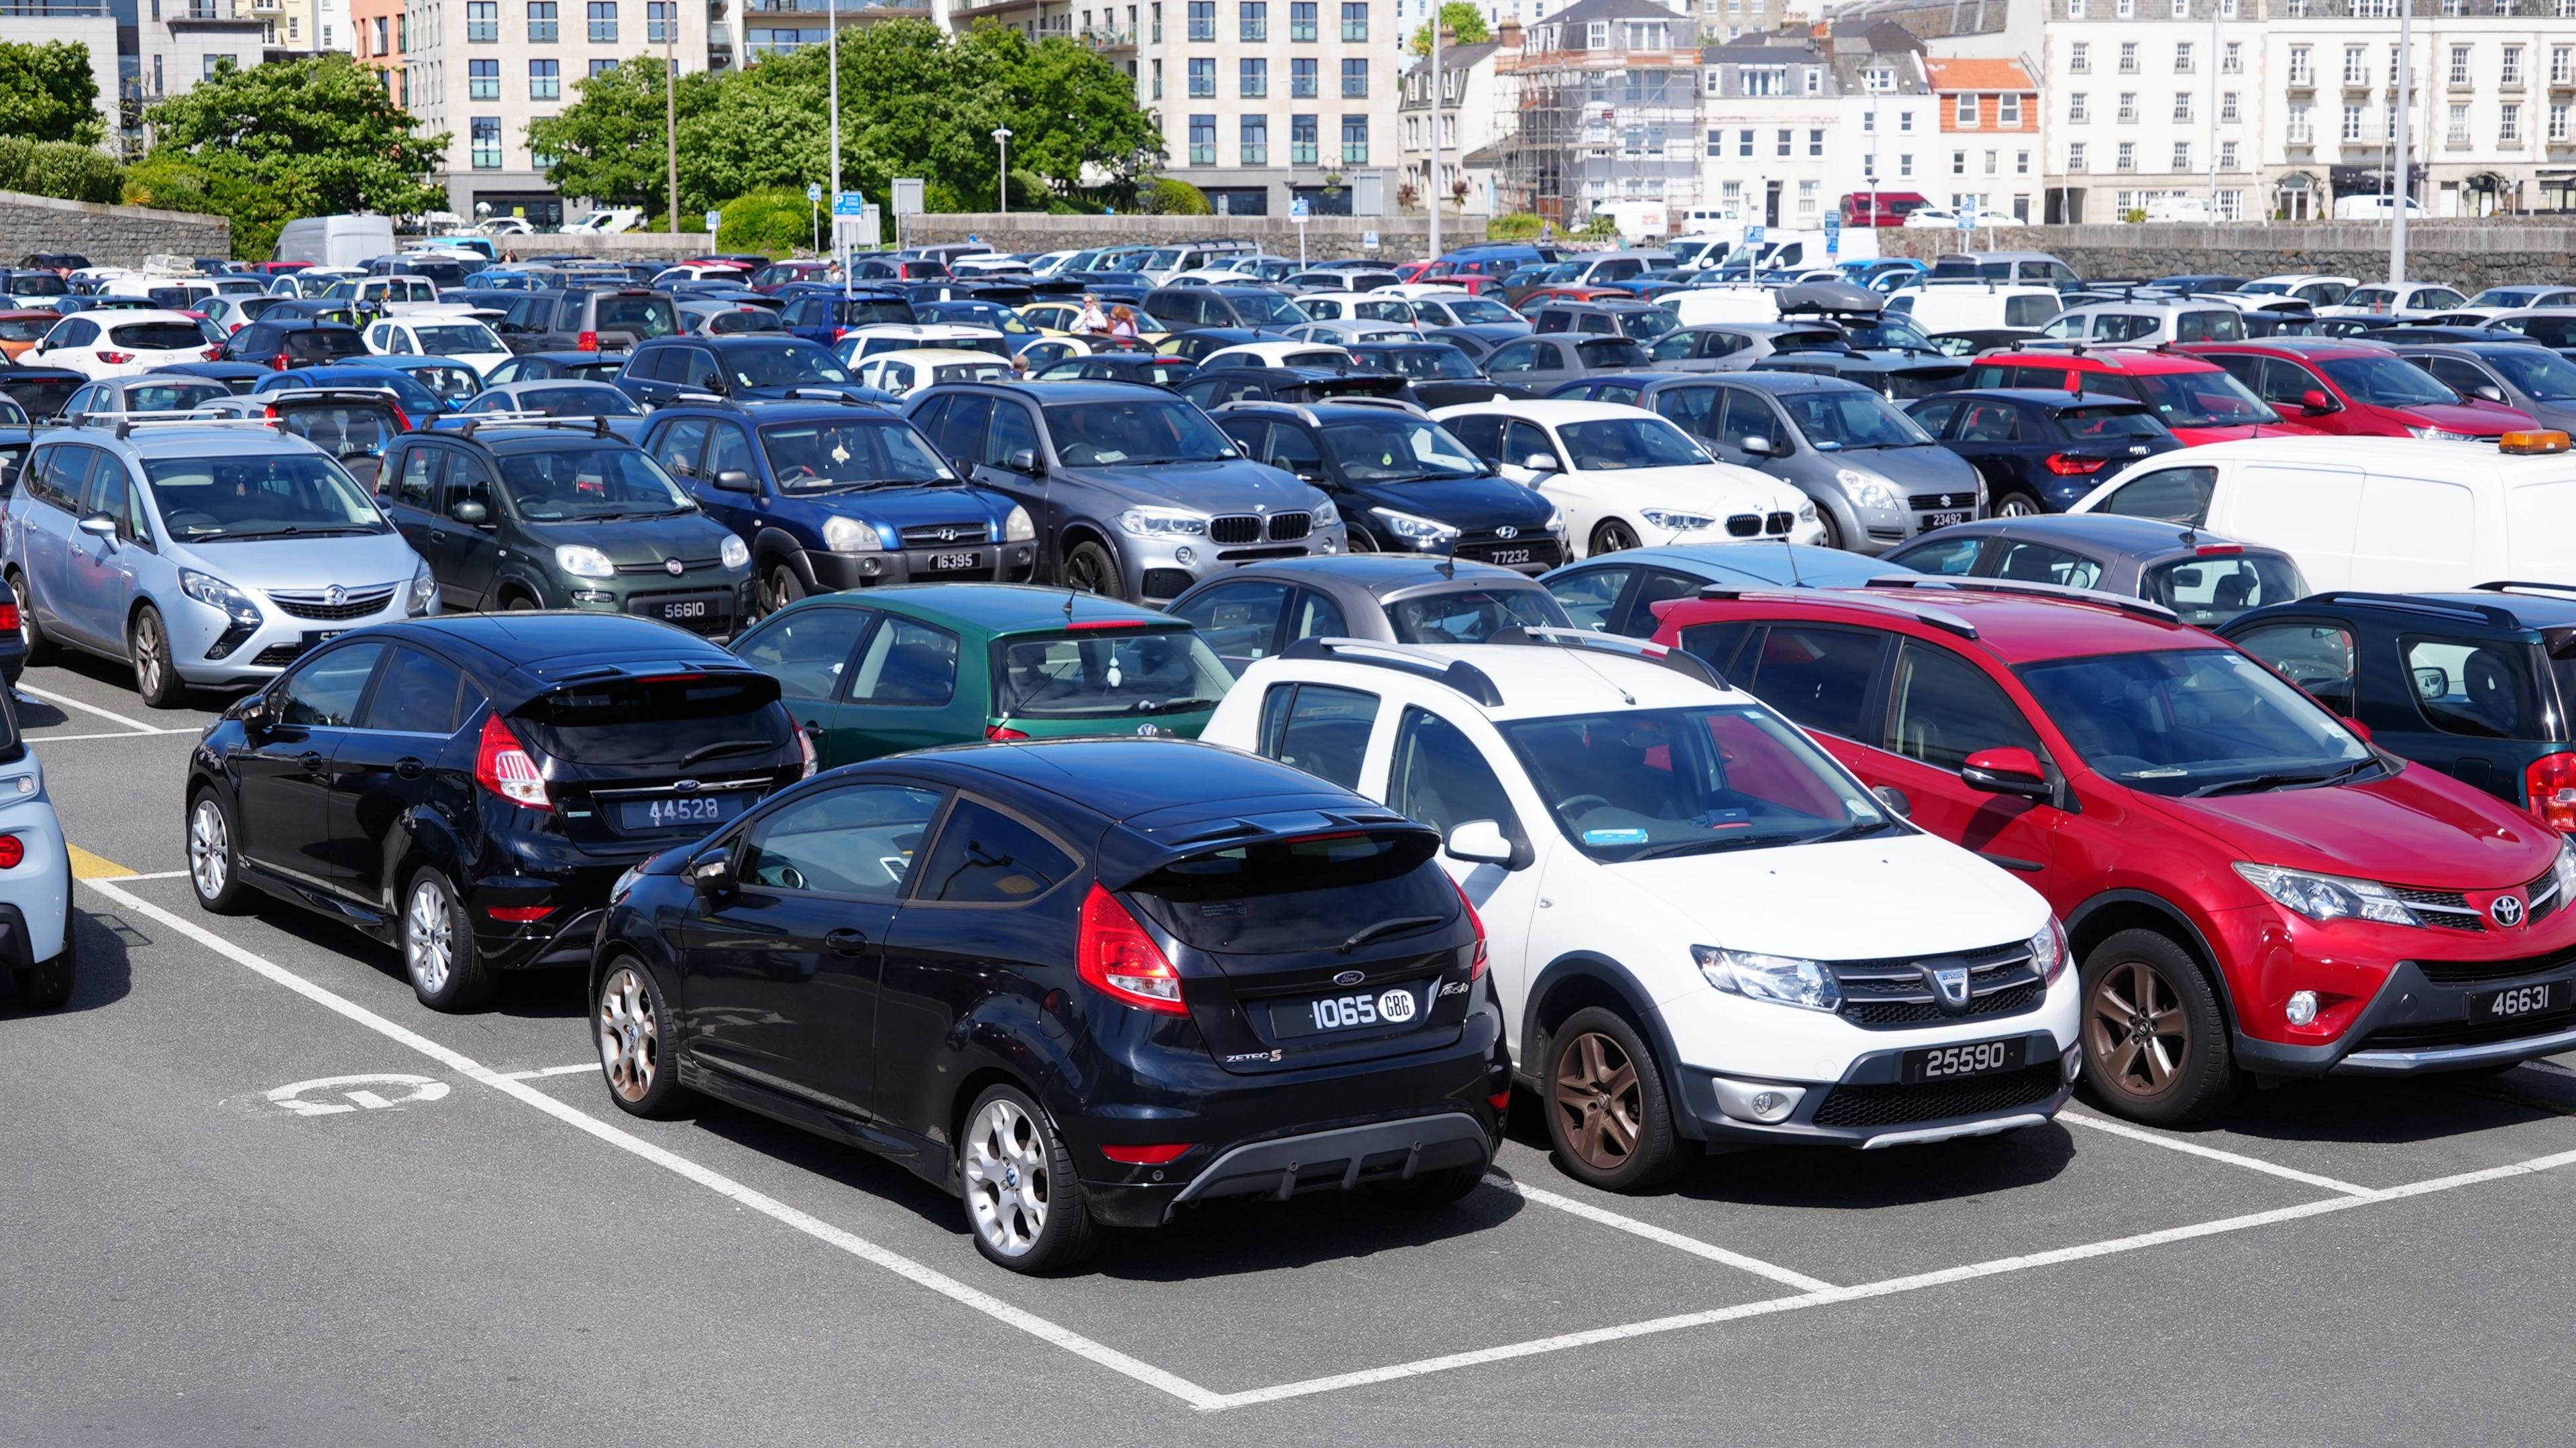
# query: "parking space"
(246, 1156)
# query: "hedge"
(60, 169)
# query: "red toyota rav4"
(2249, 887)
(2197, 399)
(2360, 389)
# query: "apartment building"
(1605, 105)
(379, 33)
(1991, 154)
(1471, 121)
(1770, 126)
(2151, 99)
(1888, 122)
(181, 42)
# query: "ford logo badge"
(1350, 977)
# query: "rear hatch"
(1309, 938)
(1113, 678)
(638, 756)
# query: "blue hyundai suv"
(749, 365)
(834, 495)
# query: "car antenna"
(1795, 580)
(1447, 568)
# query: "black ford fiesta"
(1081, 984)
(467, 787)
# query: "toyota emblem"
(2507, 910)
(1507, 531)
(674, 567)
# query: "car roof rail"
(1457, 674)
(1940, 618)
(124, 424)
(706, 399)
(2493, 615)
(1589, 639)
(2518, 585)
(472, 423)
(2140, 607)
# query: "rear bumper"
(1340, 1160)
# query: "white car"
(1355, 307)
(124, 343)
(1325, 356)
(1627, 478)
(2314, 288)
(1942, 218)
(1351, 334)
(908, 370)
(861, 343)
(606, 221)
(2405, 301)
(1703, 929)
(463, 338)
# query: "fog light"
(1185, 555)
(593, 595)
(2303, 1008)
(2070, 1062)
(870, 566)
(1757, 1102)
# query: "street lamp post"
(840, 254)
(1433, 189)
(671, 108)
(1002, 138)
(2398, 178)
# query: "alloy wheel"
(2016, 505)
(2136, 1029)
(630, 1038)
(209, 849)
(1613, 538)
(429, 948)
(1007, 1183)
(149, 654)
(1598, 1100)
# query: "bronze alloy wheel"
(2136, 1030)
(1597, 1098)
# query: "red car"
(2360, 389)
(2196, 399)
(2250, 889)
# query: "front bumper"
(210, 650)
(716, 605)
(1158, 570)
(997, 563)
(2417, 1026)
(1869, 1107)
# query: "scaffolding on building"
(1604, 97)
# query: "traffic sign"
(1753, 236)
(849, 203)
(1297, 210)
(907, 196)
(1369, 239)
(813, 190)
(715, 219)
(1833, 223)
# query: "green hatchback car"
(884, 670)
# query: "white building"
(1886, 116)
(1771, 130)
(1471, 120)
(89, 23)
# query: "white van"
(2394, 515)
(1975, 306)
(336, 240)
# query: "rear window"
(868, 312)
(1611, 352)
(720, 723)
(646, 316)
(43, 396)
(1106, 676)
(173, 396)
(2208, 592)
(1305, 894)
(326, 344)
(25, 329)
(2108, 422)
(1468, 616)
(158, 337)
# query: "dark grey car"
(1258, 610)
(2202, 577)
(2516, 374)
(1532, 366)
(1736, 346)
(599, 319)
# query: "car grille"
(1897, 1105)
(2450, 910)
(2472, 972)
(687, 565)
(1880, 994)
(1941, 502)
(277, 656)
(1235, 529)
(2541, 896)
(944, 535)
(1755, 525)
(316, 605)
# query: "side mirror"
(1480, 842)
(964, 467)
(2432, 683)
(1540, 462)
(1758, 446)
(2010, 770)
(470, 513)
(712, 872)
(735, 480)
(2315, 403)
(255, 716)
(99, 525)
(2489, 392)
(1894, 800)
(2357, 727)
(1026, 460)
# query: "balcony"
(1109, 37)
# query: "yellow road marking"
(86, 866)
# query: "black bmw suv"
(466, 788)
(1080, 984)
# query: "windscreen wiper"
(2255, 784)
(731, 746)
(1388, 927)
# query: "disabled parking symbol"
(336, 1095)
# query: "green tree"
(1462, 19)
(610, 143)
(49, 93)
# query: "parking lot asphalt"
(259, 1195)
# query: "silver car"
(206, 554)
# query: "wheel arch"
(1579, 979)
(2112, 911)
(773, 546)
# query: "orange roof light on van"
(2517, 444)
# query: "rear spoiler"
(528, 684)
(1129, 853)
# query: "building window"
(2079, 108)
(2227, 111)
(1256, 141)
(545, 80)
(1354, 78)
(1717, 143)
(486, 131)
(482, 22)
(1958, 163)
(2231, 61)
(483, 80)
(1202, 140)
(2074, 9)
(1301, 78)
(542, 26)
(2509, 124)
(1878, 79)
(1157, 20)
(2079, 58)
(1904, 163)
(1761, 80)
(1252, 77)
(2352, 123)
(1354, 19)
(2456, 134)
(662, 21)
(2300, 133)
(1807, 196)
(1354, 140)
(1815, 143)
(2562, 65)
(1990, 163)
(2182, 105)
(1744, 143)
(1202, 78)
(2127, 160)
(1868, 124)
(1815, 80)
(1905, 122)
(2300, 74)
(2510, 72)
(1301, 19)
(598, 68)
(2021, 163)
(603, 22)
(1784, 145)
(2128, 57)
(2182, 9)
(1158, 80)
(1301, 140)
(2128, 108)
(1968, 112)
(2459, 65)
(2558, 120)
(1255, 22)
(2075, 156)
(2125, 9)
(2356, 65)
(2182, 57)
(1203, 20)
(2008, 112)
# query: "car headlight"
(1018, 528)
(2328, 897)
(1672, 522)
(2563, 870)
(1807, 511)
(1326, 515)
(2444, 435)
(424, 593)
(733, 552)
(849, 535)
(2048, 952)
(583, 561)
(1556, 522)
(1163, 523)
(207, 589)
(1420, 532)
(1783, 979)
(1868, 492)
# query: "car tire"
(1024, 1200)
(1091, 568)
(521, 603)
(1432, 1188)
(2156, 1046)
(437, 940)
(633, 1020)
(2014, 503)
(1361, 542)
(214, 857)
(40, 649)
(781, 588)
(1611, 537)
(47, 985)
(1609, 1117)
(1833, 530)
(156, 677)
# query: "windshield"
(2537, 372)
(1264, 309)
(2266, 289)
(2505, 297)
(452, 384)
(1425, 362)
(2202, 399)
(1629, 442)
(342, 429)
(1398, 449)
(1106, 676)
(279, 495)
(2387, 382)
(599, 481)
(1135, 433)
(448, 339)
(2369, 297)
(1640, 785)
(814, 457)
(2096, 422)
(782, 365)
(1857, 418)
(1478, 311)
(1889, 334)
(2192, 721)
(976, 314)
(1468, 615)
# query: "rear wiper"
(1170, 706)
(1388, 927)
(710, 751)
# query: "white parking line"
(50, 697)
(541, 1074)
(946, 1286)
(1653, 1233)
(151, 875)
(2211, 1153)
(110, 734)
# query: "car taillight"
(1004, 732)
(1475, 970)
(214, 354)
(503, 765)
(589, 342)
(278, 362)
(1116, 955)
(839, 332)
(116, 358)
(520, 914)
(12, 851)
(8, 618)
(2550, 784)
(2069, 465)
(402, 420)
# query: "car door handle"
(437, 535)
(311, 759)
(410, 768)
(846, 941)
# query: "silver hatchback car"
(206, 554)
